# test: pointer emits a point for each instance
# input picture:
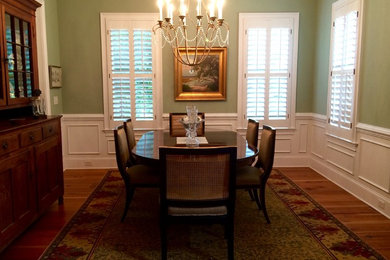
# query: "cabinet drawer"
(50, 129)
(30, 136)
(8, 143)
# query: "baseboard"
(357, 189)
(90, 163)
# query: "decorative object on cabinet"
(206, 81)
(38, 104)
(19, 69)
(31, 172)
(55, 75)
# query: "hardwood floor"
(78, 185)
(371, 226)
(367, 223)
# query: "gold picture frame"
(206, 81)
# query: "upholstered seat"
(210, 211)
(198, 185)
(143, 176)
(247, 175)
(133, 175)
(255, 177)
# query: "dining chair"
(177, 129)
(197, 186)
(255, 177)
(252, 133)
(133, 175)
(130, 138)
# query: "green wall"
(321, 68)
(79, 24)
(80, 55)
(374, 82)
(53, 49)
(374, 89)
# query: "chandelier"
(191, 37)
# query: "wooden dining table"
(147, 148)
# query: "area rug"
(299, 229)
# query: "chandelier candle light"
(192, 39)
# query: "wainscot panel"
(362, 167)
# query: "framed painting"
(55, 76)
(206, 81)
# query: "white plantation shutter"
(343, 67)
(130, 61)
(120, 79)
(143, 75)
(343, 70)
(256, 77)
(269, 64)
(280, 47)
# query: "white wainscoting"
(362, 168)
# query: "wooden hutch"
(31, 173)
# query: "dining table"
(146, 150)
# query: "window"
(267, 71)
(131, 70)
(343, 68)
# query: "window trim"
(105, 18)
(338, 7)
(244, 18)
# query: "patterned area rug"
(299, 229)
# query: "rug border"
(65, 229)
(333, 218)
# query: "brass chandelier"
(192, 37)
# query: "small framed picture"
(55, 76)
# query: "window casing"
(267, 68)
(131, 70)
(344, 68)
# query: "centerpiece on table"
(191, 123)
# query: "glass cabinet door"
(18, 59)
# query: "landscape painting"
(205, 81)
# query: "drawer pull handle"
(31, 137)
(50, 130)
(5, 145)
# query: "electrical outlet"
(381, 204)
(55, 100)
(87, 163)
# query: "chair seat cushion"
(143, 175)
(248, 176)
(208, 211)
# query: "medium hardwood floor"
(78, 184)
(367, 223)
